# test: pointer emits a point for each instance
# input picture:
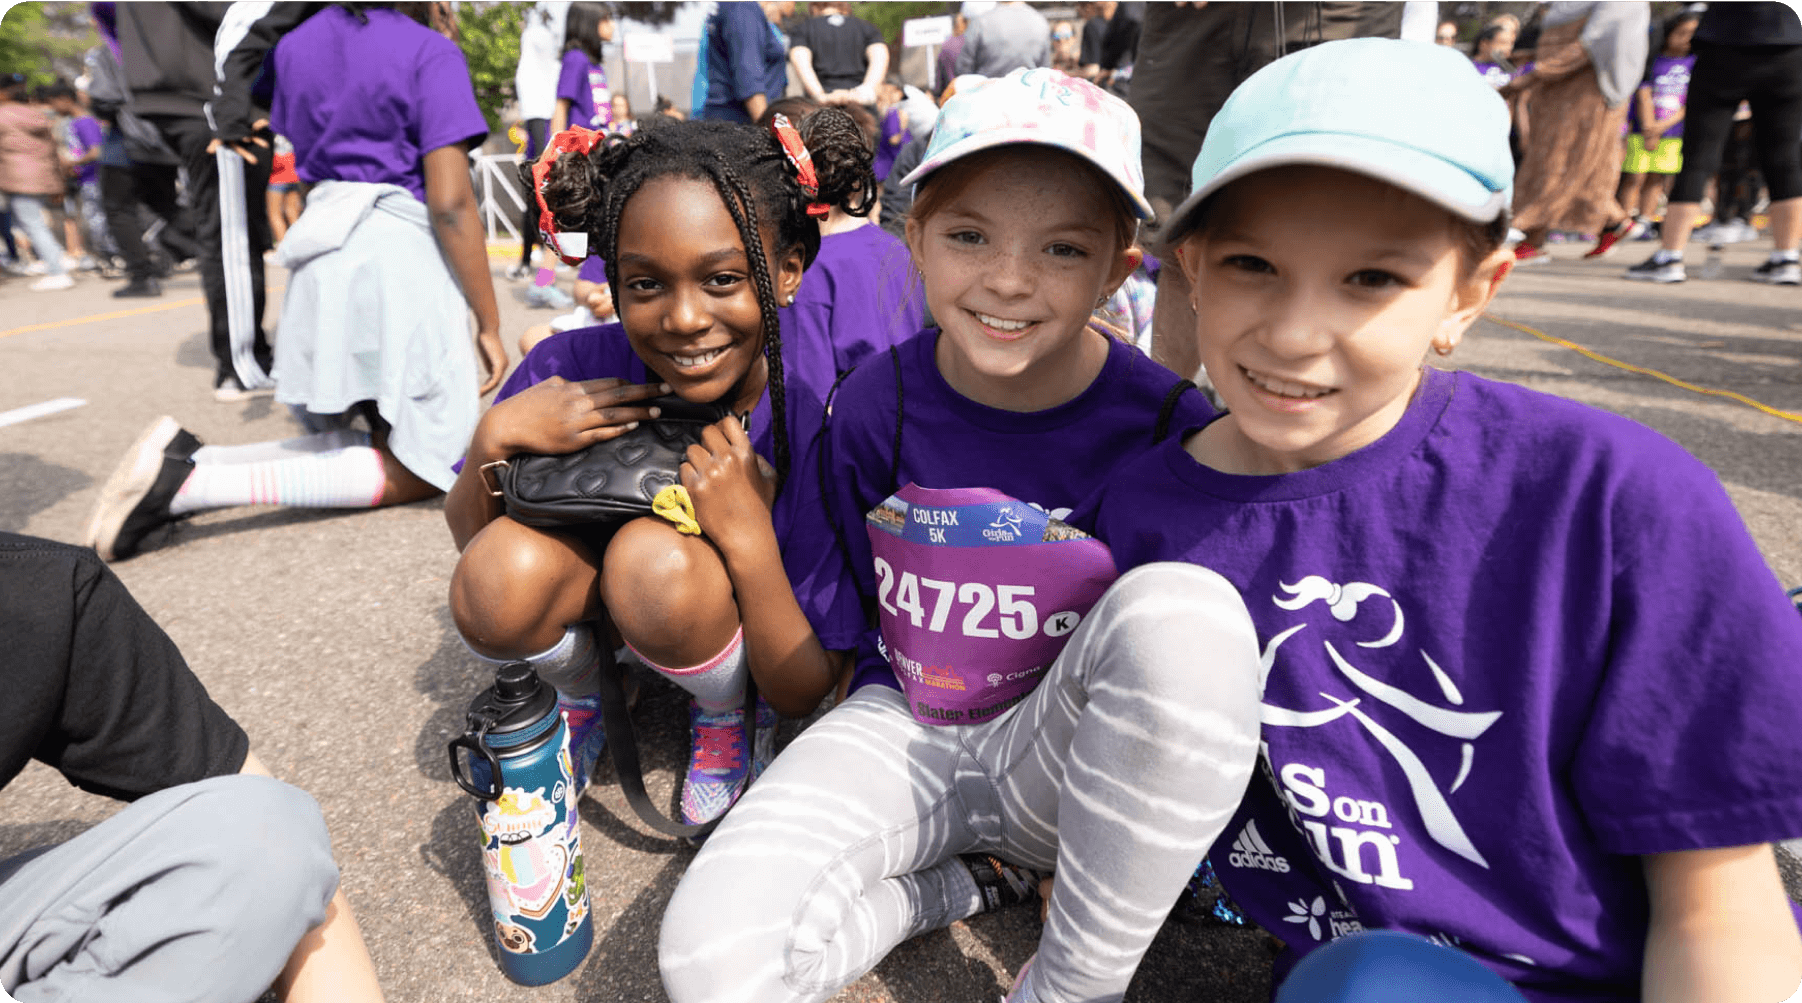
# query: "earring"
(1442, 350)
(790, 301)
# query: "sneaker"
(1000, 883)
(51, 283)
(230, 390)
(1205, 901)
(33, 268)
(1778, 273)
(1019, 993)
(587, 736)
(1653, 270)
(549, 297)
(145, 286)
(1605, 244)
(135, 499)
(1649, 229)
(518, 272)
(87, 263)
(1740, 232)
(1527, 254)
(719, 765)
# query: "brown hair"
(949, 181)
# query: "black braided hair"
(755, 181)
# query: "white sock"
(717, 684)
(282, 449)
(1665, 256)
(570, 665)
(1789, 255)
(337, 478)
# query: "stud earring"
(1442, 350)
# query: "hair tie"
(575, 139)
(796, 151)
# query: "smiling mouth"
(1002, 326)
(697, 360)
(1285, 388)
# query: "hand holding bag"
(608, 482)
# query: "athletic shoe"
(549, 297)
(87, 263)
(1778, 273)
(230, 391)
(135, 499)
(1000, 883)
(51, 283)
(587, 736)
(31, 268)
(518, 272)
(1649, 229)
(1605, 244)
(1653, 270)
(145, 286)
(719, 765)
(1205, 901)
(1527, 254)
(1019, 993)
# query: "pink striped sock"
(339, 478)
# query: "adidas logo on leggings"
(1250, 851)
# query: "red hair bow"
(575, 139)
(802, 162)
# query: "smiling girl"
(1529, 689)
(883, 821)
(706, 231)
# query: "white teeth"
(1003, 325)
(690, 361)
(1284, 387)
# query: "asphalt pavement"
(326, 633)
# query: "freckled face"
(1013, 266)
(1319, 293)
(687, 297)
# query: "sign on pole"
(644, 47)
(925, 31)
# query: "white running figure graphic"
(1344, 603)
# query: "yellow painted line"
(1642, 370)
(136, 311)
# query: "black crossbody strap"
(622, 746)
(1168, 411)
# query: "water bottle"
(519, 771)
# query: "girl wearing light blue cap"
(1021, 711)
(1528, 688)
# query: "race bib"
(978, 592)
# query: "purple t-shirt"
(1508, 647)
(1495, 74)
(857, 298)
(584, 84)
(1669, 81)
(1051, 459)
(367, 102)
(594, 269)
(810, 554)
(84, 135)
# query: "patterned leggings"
(1118, 772)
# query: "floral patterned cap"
(1045, 107)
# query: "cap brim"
(1007, 137)
(1439, 182)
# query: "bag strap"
(1167, 412)
(622, 747)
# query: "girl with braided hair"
(706, 228)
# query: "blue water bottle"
(519, 771)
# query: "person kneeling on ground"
(216, 881)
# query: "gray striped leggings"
(1118, 772)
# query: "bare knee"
(516, 588)
(668, 594)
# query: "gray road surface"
(326, 633)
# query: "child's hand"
(557, 416)
(732, 488)
(494, 360)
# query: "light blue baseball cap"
(1414, 115)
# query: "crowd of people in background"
(1010, 276)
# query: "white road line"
(30, 411)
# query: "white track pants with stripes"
(1118, 772)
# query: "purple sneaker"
(719, 765)
(586, 735)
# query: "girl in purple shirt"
(582, 95)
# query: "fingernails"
(630, 425)
(663, 387)
(656, 412)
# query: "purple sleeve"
(586, 353)
(87, 132)
(817, 568)
(1692, 741)
(593, 269)
(572, 82)
(444, 100)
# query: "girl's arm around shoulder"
(1721, 930)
